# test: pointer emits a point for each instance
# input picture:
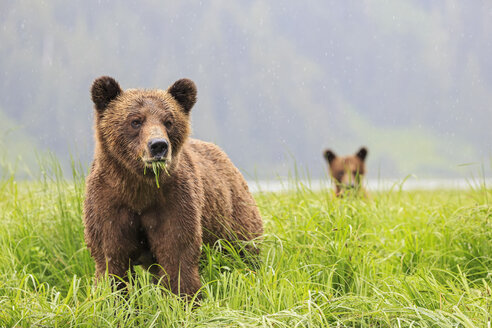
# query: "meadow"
(399, 259)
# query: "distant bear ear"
(329, 155)
(362, 153)
(103, 90)
(184, 91)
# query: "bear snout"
(158, 148)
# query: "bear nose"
(158, 147)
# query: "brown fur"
(128, 220)
(347, 172)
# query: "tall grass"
(400, 259)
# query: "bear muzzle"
(349, 182)
(158, 148)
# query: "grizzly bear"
(347, 172)
(134, 215)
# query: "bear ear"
(103, 90)
(184, 91)
(362, 153)
(329, 155)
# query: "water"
(371, 184)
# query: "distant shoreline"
(371, 184)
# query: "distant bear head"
(346, 172)
(137, 127)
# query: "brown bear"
(347, 172)
(200, 197)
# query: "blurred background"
(278, 81)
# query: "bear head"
(347, 171)
(137, 127)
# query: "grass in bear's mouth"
(157, 168)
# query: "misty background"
(278, 81)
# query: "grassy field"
(401, 259)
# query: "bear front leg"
(177, 251)
(179, 273)
(112, 238)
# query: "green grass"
(157, 168)
(400, 259)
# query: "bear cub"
(130, 217)
(347, 172)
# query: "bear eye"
(168, 124)
(136, 123)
